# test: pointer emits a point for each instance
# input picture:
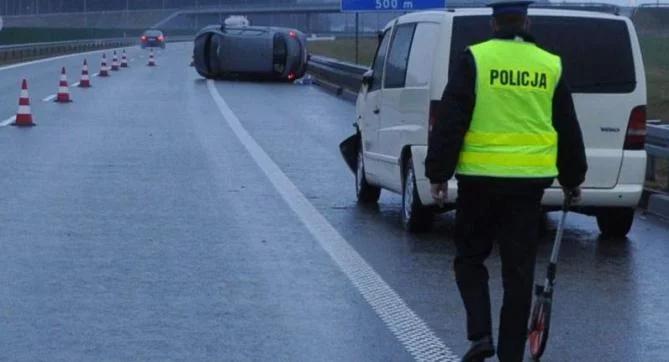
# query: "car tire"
(366, 193)
(415, 216)
(615, 222)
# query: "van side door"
(368, 108)
(394, 103)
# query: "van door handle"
(377, 111)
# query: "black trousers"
(511, 217)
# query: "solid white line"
(49, 98)
(404, 323)
(8, 121)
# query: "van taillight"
(635, 138)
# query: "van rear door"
(599, 66)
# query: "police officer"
(506, 127)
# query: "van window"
(422, 55)
(377, 67)
(398, 57)
(596, 53)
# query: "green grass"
(656, 60)
(39, 35)
(344, 49)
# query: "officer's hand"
(439, 193)
(574, 193)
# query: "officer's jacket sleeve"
(453, 117)
(572, 164)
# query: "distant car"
(152, 38)
(255, 52)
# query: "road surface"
(164, 217)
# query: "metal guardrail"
(24, 52)
(346, 76)
(657, 146)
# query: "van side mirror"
(368, 78)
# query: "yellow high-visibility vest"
(511, 132)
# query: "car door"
(369, 103)
(395, 102)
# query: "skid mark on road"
(403, 322)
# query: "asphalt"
(137, 226)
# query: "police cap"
(509, 7)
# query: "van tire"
(366, 193)
(615, 222)
(415, 216)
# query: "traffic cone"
(115, 65)
(24, 117)
(85, 81)
(104, 72)
(124, 60)
(63, 95)
(152, 59)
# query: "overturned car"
(254, 52)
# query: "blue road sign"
(391, 5)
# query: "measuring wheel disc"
(539, 327)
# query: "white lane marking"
(75, 84)
(8, 121)
(407, 327)
(17, 65)
(49, 98)
(95, 74)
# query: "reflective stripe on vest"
(511, 132)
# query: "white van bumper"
(627, 193)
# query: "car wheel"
(615, 222)
(366, 193)
(415, 216)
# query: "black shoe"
(480, 350)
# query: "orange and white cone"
(85, 81)
(63, 95)
(115, 65)
(152, 59)
(104, 72)
(124, 60)
(24, 117)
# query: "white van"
(602, 64)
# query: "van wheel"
(415, 217)
(366, 193)
(615, 222)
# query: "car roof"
(440, 15)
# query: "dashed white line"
(95, 74)
(49, 98)
(405, 324)
(8, 121)
(75, 84)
